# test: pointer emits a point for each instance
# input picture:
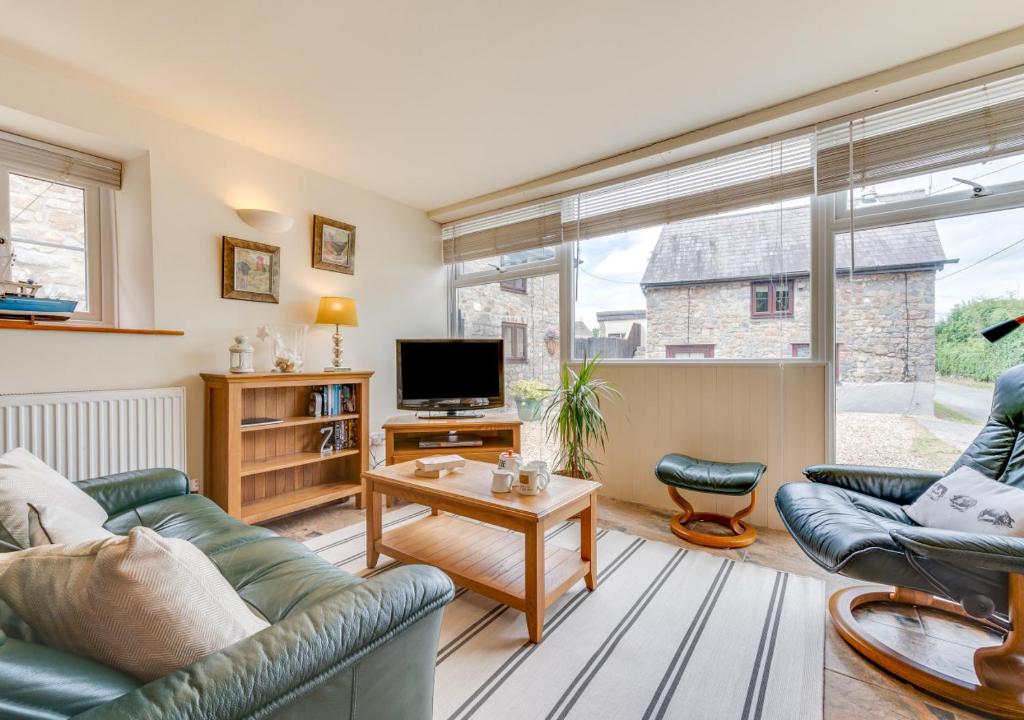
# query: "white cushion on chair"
(968, 501)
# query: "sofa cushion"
(25, 479)
(274, 575)
(49, 525)
(190, 517)
(143, 604)
(39, 682)
(277, 576)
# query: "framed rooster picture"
(334, 245)
(250, 270)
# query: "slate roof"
(750, 246)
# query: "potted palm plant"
(529, 396)
(574, 418)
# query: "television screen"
(450, 374)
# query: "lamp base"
(337, 369)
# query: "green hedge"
(960, 350)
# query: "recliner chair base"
(742, 536)
(1000, 669)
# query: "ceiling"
(434, 102)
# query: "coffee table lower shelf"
(482, 558)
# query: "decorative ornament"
(241, 354)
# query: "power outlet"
(376, 438)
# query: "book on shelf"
(331, 400)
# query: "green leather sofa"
(338, 647)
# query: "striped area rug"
(669, 633)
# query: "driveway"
(974, 402)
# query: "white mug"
(533, 477)
(501, 480)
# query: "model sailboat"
(18, 299)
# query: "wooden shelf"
(301, 420)
(65, 327)
(280, 462)
(482, 557)
(296, 500)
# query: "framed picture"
(251, 270)
(334, 245)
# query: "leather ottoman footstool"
(678, 471)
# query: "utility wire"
(979, 262)
(598, 277)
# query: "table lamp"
(337, 311)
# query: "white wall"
(772, 413)
(193, 184)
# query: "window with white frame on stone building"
(56, 224)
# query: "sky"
(610, 273)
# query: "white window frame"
(833, 219)
(99, 245)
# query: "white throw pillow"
(54, 525)
(25, 479)
(968, 501)
(141, 603)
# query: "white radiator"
(87, 434)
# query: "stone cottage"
(524, 312)
(738, 286)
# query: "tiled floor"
(854, 689)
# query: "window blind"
(758, 175)
(52, 162)
(958, 128)
(526, 228)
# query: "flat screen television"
(453, 376)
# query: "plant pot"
(551, 346)
(529, 410)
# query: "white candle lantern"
(241, 355)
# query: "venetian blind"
(957, 128)
(754, 175)
(526, 228)
(52, 162)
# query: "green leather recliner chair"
(339, 647)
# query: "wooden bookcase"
(257, 473)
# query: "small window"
(517, 286)
(514, 335)
(771, 299)
(55, 241)
(801, 350)
(689, 352)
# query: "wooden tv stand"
(404, 432)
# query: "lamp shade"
(266, 220)
(337, 311)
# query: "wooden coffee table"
(512, 568)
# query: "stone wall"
(885, 324)
(483, 308)
(54, 214)
(719, 314)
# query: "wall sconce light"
(266, 220)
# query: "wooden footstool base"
(707, 476)
(742, 534)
